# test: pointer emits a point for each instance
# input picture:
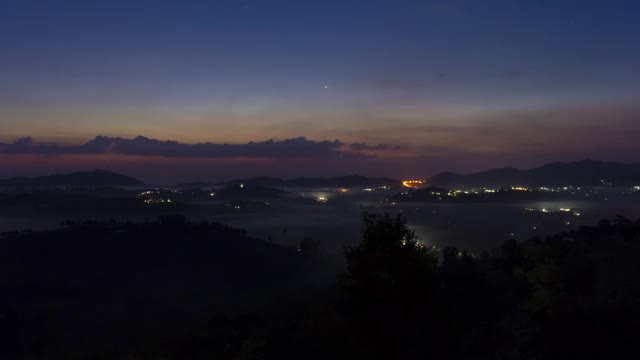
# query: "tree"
(391, 257)
(389, 286)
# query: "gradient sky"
(458, 85)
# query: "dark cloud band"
(288, 148)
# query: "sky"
(184, 90)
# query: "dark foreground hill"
(571, 295)
(582, 173)
(100, 289)
(112, 286)
(79, 180)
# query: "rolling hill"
(581, 173)
(83, 179)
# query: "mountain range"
(82, 179)
(580, 173)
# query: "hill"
(83, 179)
(121, 284)
(581, 173)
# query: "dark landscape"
(110, 267)
(294, 179)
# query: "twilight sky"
(396, 88)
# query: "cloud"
(26, 146)
(299, 147)
(364, 147)
(379, 147)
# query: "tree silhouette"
(389, 285)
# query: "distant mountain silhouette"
(83, 179)
(581, 173)
(340, 181)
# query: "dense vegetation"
(572, 295)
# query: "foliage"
(571, 295)
(391, 265)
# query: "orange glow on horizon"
(414, 184)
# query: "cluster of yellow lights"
(157, 201)
(413, 183)
(545, 210)
(418, 244)
(520, 188)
